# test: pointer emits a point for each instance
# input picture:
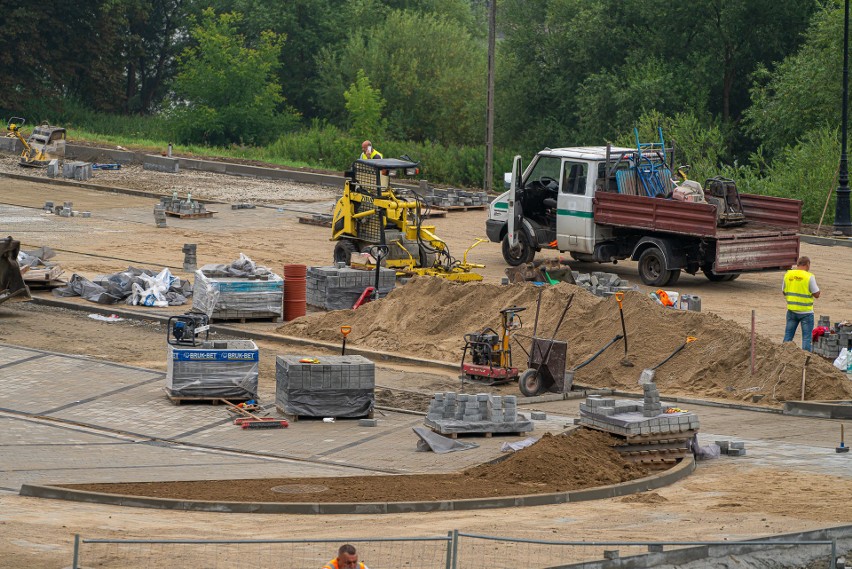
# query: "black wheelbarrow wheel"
(531, 383)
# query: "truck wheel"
(343, 250)
(652, 268)
(675, 276)
(530, 383)
(523, 253)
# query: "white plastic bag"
(842, 361)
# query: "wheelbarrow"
(546, 361)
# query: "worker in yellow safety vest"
(368, 152)
(800, 289)
(347, 558)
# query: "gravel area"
(203, 185)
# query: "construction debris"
(830, 340)
(38, 271)
(176, 207)
(140, 287)
(552, 271)
(320, 219)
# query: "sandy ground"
(723, 499)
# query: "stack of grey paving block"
(229, 298)
(65, 210)
(452, 413)
(53, 168)
(337, 386)
(213, 370)
(160, 164)
(160, 215)
(630, 418)
(189, 259)
(243, 206)
(179, 206)
(48, 206)
(830, 344)
(77, 170)
(600, 283)
(451, 197)
(732, 448)
(336, 288)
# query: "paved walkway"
(72, 419)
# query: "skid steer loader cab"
(373, 212)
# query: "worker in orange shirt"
(347, 558)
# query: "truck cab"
(553, 204)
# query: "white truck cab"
(549, 206)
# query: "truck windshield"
(546, 167)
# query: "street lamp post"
(842, 223)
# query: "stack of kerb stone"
(160, 215)
(452, 197)
(336, 288)
(77, 170)
(190, 262)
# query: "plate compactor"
(491, 353)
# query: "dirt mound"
(580, 459)
(429, 317)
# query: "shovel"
(345, 330)
(648, 373)
(619, 297)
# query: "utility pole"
(489, 103)
(842, 223)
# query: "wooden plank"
(179, 399)
(207, 213)
(314, 221)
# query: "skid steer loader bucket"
(12, 285)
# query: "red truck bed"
(768, 240)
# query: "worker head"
(804, 263)
(347, 557)
(367, 147)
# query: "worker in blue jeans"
(800, 289)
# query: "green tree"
(430, 71)
(227, 91)
(804, 91)
(365, 105)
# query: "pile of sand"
(429, 317)
(556, 463)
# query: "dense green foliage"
(748, 88)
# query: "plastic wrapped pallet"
(213, 370)
(239, 297)
(337, 386)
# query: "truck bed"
(768, 240)
(766, 216)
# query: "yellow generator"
(43, 145)
(371, 213)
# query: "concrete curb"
(826, 241)
(674, 474)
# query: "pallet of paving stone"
(181, 399)
(487, 430)
(208, 213)
(318, 221)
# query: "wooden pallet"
(435, 211)
(207, 213)
(317, 222)
(181, 399)
(243, 316)
(42, 274)
(486, 435)
(462, 207)
(295, 418)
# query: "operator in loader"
(368, 152)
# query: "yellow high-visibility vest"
(797, 291)
(374, 155)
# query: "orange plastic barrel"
(295, 285)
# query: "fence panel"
(420, 552)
